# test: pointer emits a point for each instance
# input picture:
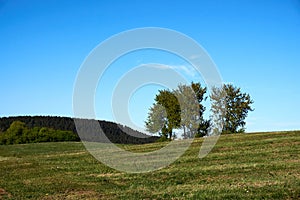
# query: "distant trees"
(15, 133)
(180, 108)
(18, 133)
(37, 126)
(164, 115)
(192, 109)
(237, 106)
(183, 109)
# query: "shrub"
(18, 133)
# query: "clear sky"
(255, 45)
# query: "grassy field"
(244, 166)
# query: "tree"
(231, 107)
(17, 132)
(180, 108)
(164, 115)
(200, 95)
(203, 128)
(157, 119)
(190, 99)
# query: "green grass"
(244, 166)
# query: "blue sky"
(255, 45)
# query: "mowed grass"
(243, 166)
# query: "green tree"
(157, 119)
(231, 106)
(203, 128)
(192, 109)
(17, 132)
(180, 108)
(164, 115)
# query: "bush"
(163, 139)
(18, 133)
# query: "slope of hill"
(242, 166)
(116, 133)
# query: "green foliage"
(190, 99)
(237, 105)
(116, 133)
(203, 128)
(164, 115)
(156, 119)
(163, 138)
(169, 101)
(18, 133)
(14, 134)
(181, 108)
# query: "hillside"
(241, 166)
(116, 133)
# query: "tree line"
(26, 129)
(19, 133)
(183, 109)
